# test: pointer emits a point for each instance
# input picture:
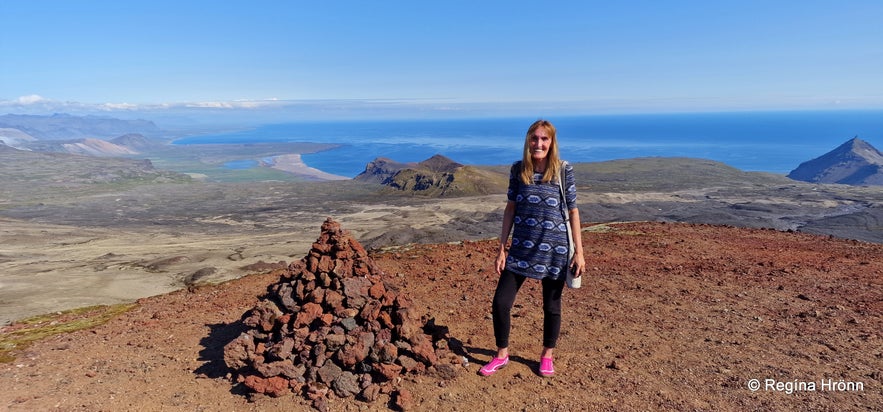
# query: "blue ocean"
(774, 142)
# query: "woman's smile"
(539, 144)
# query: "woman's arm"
(579, 260)
(578, 264)
(508, 216)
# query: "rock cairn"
(331, 325)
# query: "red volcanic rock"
(332, 325)
(404, 400)
(275, 386)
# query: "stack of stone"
(331, 325)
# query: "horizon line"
(409, 108)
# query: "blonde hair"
(553, 162)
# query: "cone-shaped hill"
(853, 163)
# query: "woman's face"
(540, 142)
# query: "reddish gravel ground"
(670, 317)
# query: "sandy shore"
(292, 163)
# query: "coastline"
(294, 164)
(772, 142)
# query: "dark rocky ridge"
(437, 176)
(853, 163)
(136, 141)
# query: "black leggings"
(504, 298)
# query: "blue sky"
(458, 56)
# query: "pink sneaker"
(546, 367)
(494, 365)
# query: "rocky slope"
(853, 163)
(96, 147)
(670, 317)
(15, 138)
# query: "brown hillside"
(463, 181)
(439, 163)
(437, 176)
(670, 317)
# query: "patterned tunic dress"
(539, 238)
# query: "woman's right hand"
(508, 216)
(500, 263)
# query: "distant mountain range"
(129, 144)
(437, 176)
(853, 163)
(68, 127)
(85, 135)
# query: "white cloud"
(30, 99)
(118, 106)
(39, 103)
(235, 104)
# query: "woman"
(539, 241)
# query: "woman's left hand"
(578, 265)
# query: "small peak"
(439, 163)
(856, 141)
(854, 162)
(847, 145)
(856, 145)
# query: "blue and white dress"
(539, 238)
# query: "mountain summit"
(853, 163)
